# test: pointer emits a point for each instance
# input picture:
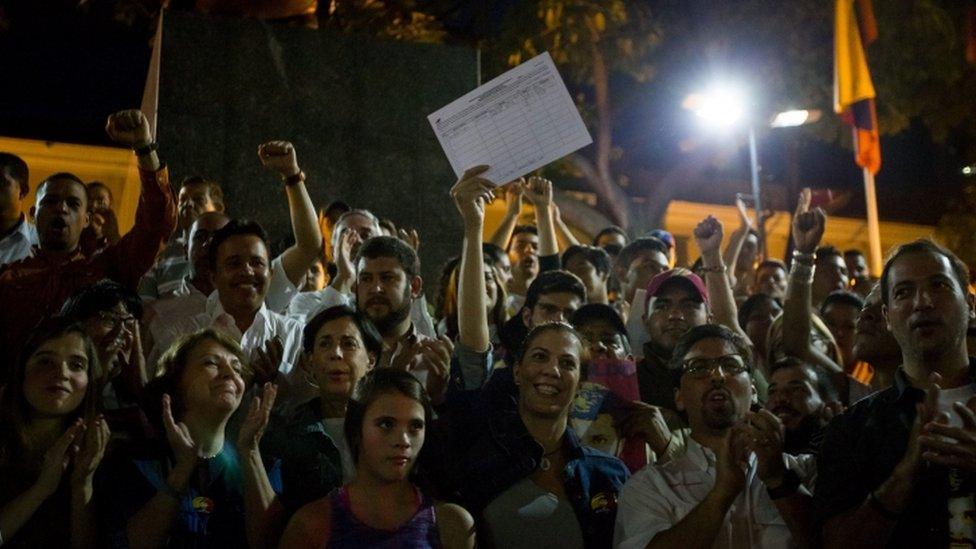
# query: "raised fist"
(280, 157)
(129, 128)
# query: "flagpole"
(874, 232)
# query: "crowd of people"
(180, 385)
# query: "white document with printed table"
(516, 123)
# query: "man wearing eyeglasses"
(733, 486)
(110, 314)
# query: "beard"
(385, 324)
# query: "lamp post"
(722, 107)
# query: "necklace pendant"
(544, 463)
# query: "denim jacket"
(477, 450)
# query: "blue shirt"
(211, 514)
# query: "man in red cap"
(677, 301)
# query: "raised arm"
(808, 229)
(564, 237)
(263, 513)
(708, 236)
(731, 254)
(86, 461)
(539, 191)
(471, 193)
(135, 253)
(513, 207)
(280, 157)
(151, 524)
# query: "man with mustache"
(804, 400)
(733, 486)
(36, 287)
(387, 281)
(896, 469)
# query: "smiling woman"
(43, 414)
(523, 473)
(201, 490)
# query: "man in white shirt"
(17, 235)
(733, 486)
(238, 255)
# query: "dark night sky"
(63, 75)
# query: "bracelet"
(879, 507)
(146, 149)
(789, 486)
(294, 179)
(714, 269)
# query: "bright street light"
(789, 119)
(720, 107)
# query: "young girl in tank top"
(380, 507)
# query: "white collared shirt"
(659, 496)
(293, 389)
(17, 245)
(167, 316)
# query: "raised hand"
(744, 220)
(346, 271)
(926, 413)
(57, 457)
(808, 226)
(280, 157)
(765, 434)
(513, 197)
(256, 422)
(471, 193)
(539, 192)
(267, 361)
(179, 438)
(730, 465)
(408, 356)
(92, 450)
(708, 236)
(645, 422)
(411, 237)
(129, 128)
(436, 355)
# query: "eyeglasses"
(701, 368)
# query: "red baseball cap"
(677, 275)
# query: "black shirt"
(860, 450)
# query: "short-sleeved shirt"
(211, 514)
(861, 448)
